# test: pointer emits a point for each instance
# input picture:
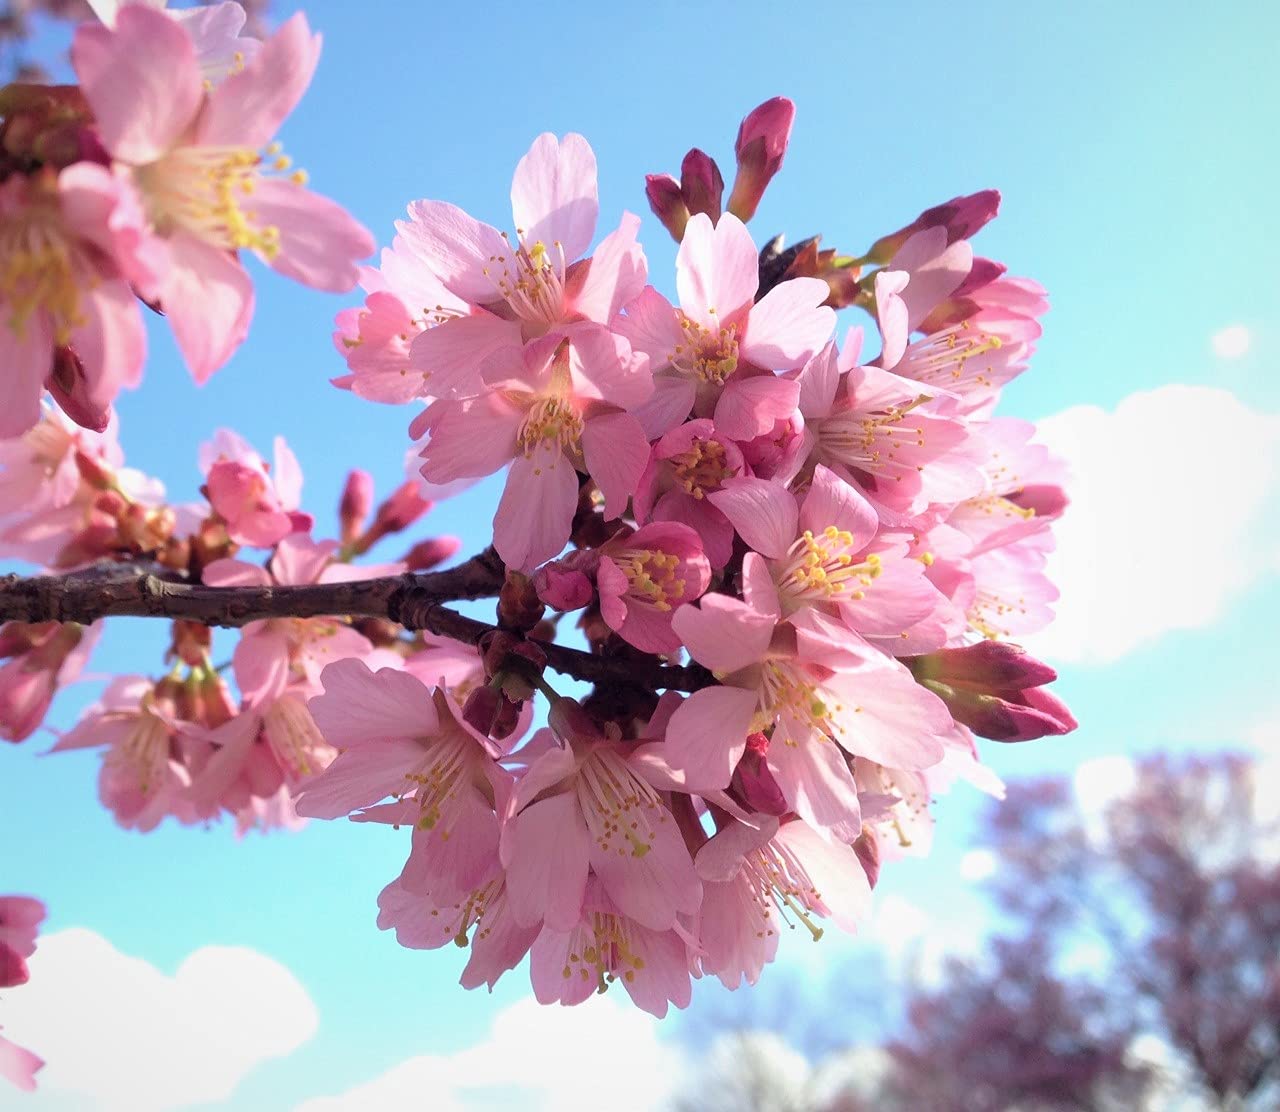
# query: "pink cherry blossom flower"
(481, 919)
(398, 738)
(214, 29)
(259, 503)
(561, 408)
(825, 550)
(404, 299)
(68, 319)
(194, 157)
(42, 658)
(591, 806)
(144, 776)
(685, 466)
(817, 691)
(643, 577)
(713, 354)
(604, 946)
(524, 289)
(881, 433)
(757, 877)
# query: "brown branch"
(414, 600)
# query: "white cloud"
(1231, 342)
(121, 1034)
(1165, 527)
(1098, 783)
(604, 1053)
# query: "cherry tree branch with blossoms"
(797, 572)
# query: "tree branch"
(414, 600)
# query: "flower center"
(144, 753)
(550, 420)
(943, 357)
(776, 877)
(620, 809)
(701, 467)
(602, 949)
(872, 441)
(652, 578)
(530, 280)
(208, 191)
(825, 566)
(786, 693)
(711, 355)
(39, 267)
(436, 781)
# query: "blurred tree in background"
(1137, 965)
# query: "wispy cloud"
(1232, 342)
(119, 1034)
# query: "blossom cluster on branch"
(843, 546)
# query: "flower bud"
(13, 967)
(701, 184)
(754, 781)
(355, 505)
(963, 217)
(429, 553)
(491, 712)
(761, 147)
(72, 391)
(404, 506)
(996, 689)
(518, 604)
(563, 588)
(189, 642)
(867, 847)
(667, 202)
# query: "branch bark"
(414, 600)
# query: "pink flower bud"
(563, 588)
(996, 689)
(74, 394)
(701, 184)
(13, 967)
(754, 781)
(761, 147)
(491, 712)
(431, 552)
(402, 509)
(963, 217)
(667, 202)
(357, 501)
(867, 847)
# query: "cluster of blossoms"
(144, 183)
(842, 546)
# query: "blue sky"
(1132, 144)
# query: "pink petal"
(813, 773)
(832, 501)
(654, 887)
(208, 299)
(936, 270)
(18, 1065)
(141, 81)
(891, 312)
(708, 734)
(457, 248)
(27, 360)
(112, 344)
(247, 109)
(889, 717)
(321, 244)
(235, 573)
(554, 194)
(547, 872)
(359, 778)
(535, 515)
(788, 324)
(359, 705)
(649, 324)
(818, 380)
(603, 367)
(762, 511)
(471, 438)
(261, 661)
(836, 874)
(672, 399)
(720, 859)
(723, 633)
(717, 271)
(615, 451)
(749, 407)
(449, 356)
(616, 273)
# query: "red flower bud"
(761, 147)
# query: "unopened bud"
(701, 184)
(73, 392)
(355, 504)
(518, 604)
(667, 202)
(432, 552)
(963, 217)
(761, 147)
(189, 642)
(491, 712)
(755, 783)
(867, 847)
(563, 588)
